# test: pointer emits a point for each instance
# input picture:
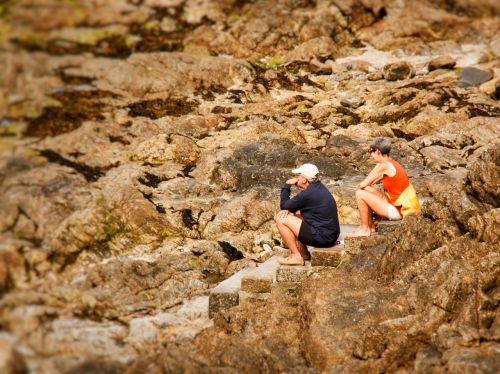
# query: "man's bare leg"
(289, 230)
(303, 250)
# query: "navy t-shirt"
(318, 207)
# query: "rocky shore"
(143, 145)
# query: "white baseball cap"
(307, 170)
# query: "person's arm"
(375, 175)
(286, 203)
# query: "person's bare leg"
(368, 202)
(303, 250)
(377, 192)
(289, 230)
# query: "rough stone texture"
(143, 145)
(11, 361)
(294, 273)
(387, 227)
(328, 256)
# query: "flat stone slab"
(330, 257)
(386, 227)
(289, 273)
(225, 294)
(473, 77)
(260, 279)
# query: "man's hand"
(282, 214)
(292, 181)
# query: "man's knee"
(277, 219)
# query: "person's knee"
(360, 194)
(278, 220)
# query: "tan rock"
(442, 62)
(398, 71)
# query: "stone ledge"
(225, 295)
(330, 257)
(249, 297)
(260, 279)
(386, 227)
(284, 289)
(287, 273)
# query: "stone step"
(225, 294)
(330, 257)
(251, 297)
(295, 274)
(353, 245)
(260, 279)
(288, 289)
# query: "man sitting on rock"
(310, 218)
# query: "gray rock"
(351, 101)
(473, 77)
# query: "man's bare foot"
(292, 260)
(359, 233)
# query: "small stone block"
(256, 285)
(331, 257)
(225, 295)
(288, 273)
(353, 245)
(221, 301)
(386, 227)
(249, 297)
(285, 289)
(260, 279)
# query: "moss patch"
(163, 107)
(272, 62)
(75, 108)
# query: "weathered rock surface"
(143, 145)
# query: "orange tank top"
(394, 186)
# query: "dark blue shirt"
(318, 207)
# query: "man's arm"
(290, 204)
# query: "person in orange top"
(399, 197)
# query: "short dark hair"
(381, 143)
